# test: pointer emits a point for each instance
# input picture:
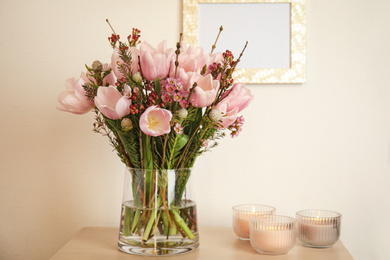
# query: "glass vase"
(158, 215)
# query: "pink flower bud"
(155, 63)
(205, 91)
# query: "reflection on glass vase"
(158, 216)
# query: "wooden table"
(215, 243)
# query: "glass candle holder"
(242, 214)
(273, 234)
(318, 228)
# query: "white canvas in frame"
(275, 30)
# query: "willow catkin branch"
(215, 43)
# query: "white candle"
(272, 241)
(318, 228)
(268, 237)
(241, 224)
(318, 232)
(242, 214)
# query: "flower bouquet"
(160, 109)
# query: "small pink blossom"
(155, 121)
(179, 85)
(209, 59)
(236, 127)
(240, 120)
(184, 77)
(112, 103)
(184, 103)
(127, 92)
(171, 81)
(234, 134)
(74, 99)
(177, 97)
(170, 88)
(178, 129)
(166, 97)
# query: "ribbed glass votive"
(242, 214)
(273, 234)
(318, 228)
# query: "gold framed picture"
(275, 30)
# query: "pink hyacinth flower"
(155, 63)
(205, 91)
(155, 121)
(74, 99)
(112, 103)
(115, 59)
(239, 96)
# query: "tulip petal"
(106, 110)
(123, 107)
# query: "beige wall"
(323, 144)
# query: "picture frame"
(276, 51)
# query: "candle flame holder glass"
(273, 234)
(318, 228)
(242, 214)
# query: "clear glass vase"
(158, 216)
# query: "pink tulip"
(229, 113)
(155, 63)
(112, 103)
(205, 91)
(108, 80)
(190, 58)
(115, 59)
(238, 96)
(155, 121)
(74, 99)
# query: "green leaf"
(181, 141)
(147, 152)
(157, 88)
(190, 129)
